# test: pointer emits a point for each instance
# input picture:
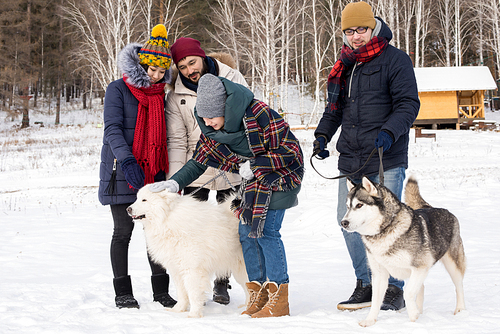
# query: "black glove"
(133, 173)
(384, 140)
(319, 148)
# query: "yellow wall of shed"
(436, 105)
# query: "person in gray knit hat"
(242, 135)
(212, 97)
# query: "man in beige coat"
(183, 132)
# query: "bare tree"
(227, 33)
(444, 15)
(480, 27)
(321, 44)
(172, 19)
(103, 28)
(388, 11)
(408, 13)
(493, 42)
(422, 15)
(458, 39)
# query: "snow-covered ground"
(55, 273)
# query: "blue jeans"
(265, 257)
(393, 180)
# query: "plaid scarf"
(349, 57)
(277, 164)
(150, 136)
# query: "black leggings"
(122, 232)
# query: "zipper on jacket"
(111, 188)
(350, 80)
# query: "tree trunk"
(26, 117)
(59, 70)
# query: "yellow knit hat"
(155, 52)
(357, 14)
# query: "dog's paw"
(413, 316)
(367, 322)
(458, 310)
(195, 315)
(178, 308)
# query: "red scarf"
(150, 136)
(349, 57)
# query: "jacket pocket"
(371, 78)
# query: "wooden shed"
(452, 95)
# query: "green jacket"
(234, 135)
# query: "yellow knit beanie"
(155, 52)
(357, 14)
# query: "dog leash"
(221, 173)
(380, 169)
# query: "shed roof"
(438, 79)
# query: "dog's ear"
(350, 184)
(369, 186)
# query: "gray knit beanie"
(211, 100)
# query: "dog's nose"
(344, 223)
(129, 210)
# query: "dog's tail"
(412, 195)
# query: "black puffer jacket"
(380, 95)
(120, 116)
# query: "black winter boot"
(393, 299)
(123, 290)
(160, 290)
(360, 298)
(221, 296)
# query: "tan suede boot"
(258, 298)
(277, 305)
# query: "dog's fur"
(193, 240)
(404, 241)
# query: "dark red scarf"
(150, 136)
(349, 57)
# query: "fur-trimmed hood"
(128, 62)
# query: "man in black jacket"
(372, 93)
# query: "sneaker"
(393, 299)
(221, 295)
(165, 300)
(360, 298)
(126, 301)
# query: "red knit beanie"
(184, 47)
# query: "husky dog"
(404, 241)
(194, 240)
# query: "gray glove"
(169, 185)
(246, 171)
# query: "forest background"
(67, 49)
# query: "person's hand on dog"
(384, 140)
(170, 185)
(246, 171)
(133, 173)
(319, 148)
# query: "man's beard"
(203, 71)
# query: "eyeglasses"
(359, 30)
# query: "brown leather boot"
(277, 305)
(258, 298)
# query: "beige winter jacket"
(183, 131)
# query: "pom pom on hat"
(211, 97)
(155, 51)
(184, 47)
(357, 14)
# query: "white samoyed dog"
(193, 240)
